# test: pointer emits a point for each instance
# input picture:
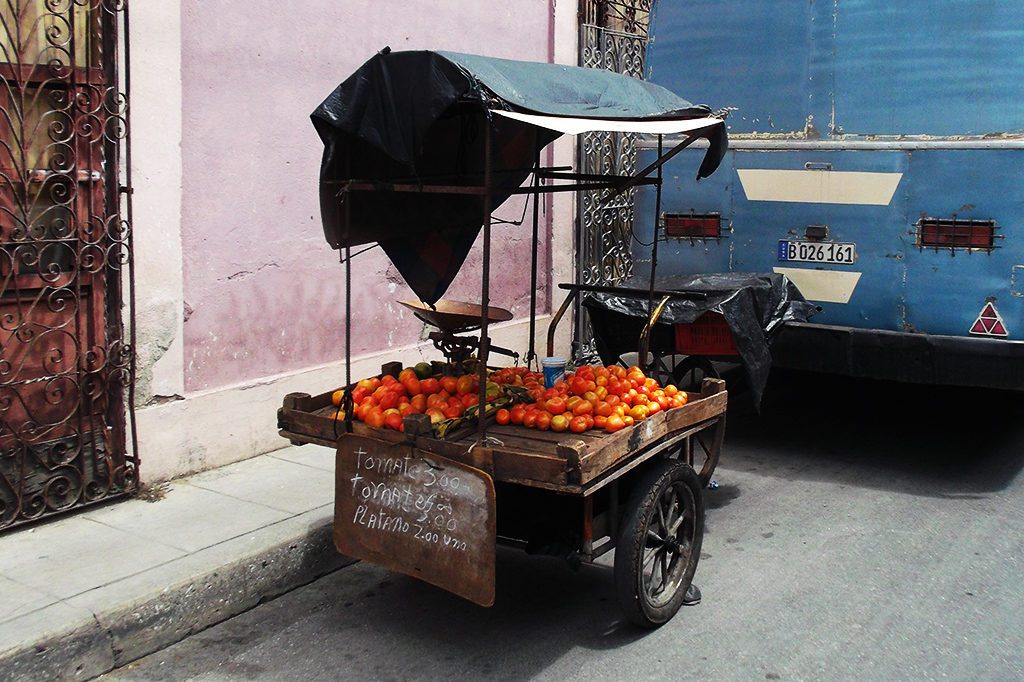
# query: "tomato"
(453, 412)
(517, 413)
(583, 407)
(449, 384)
(388, 400)
(559, 423)
(543, 420)
(435, 415)
(388, 380)
(614, 423)
(578, 424)
(465, 384)
(358, 394)
(600, 421)
(336, 397)
(628, 420)
(530, 419)
(412, 384)
(375, 418)
(503, 416)
(639, 412)
(470, 399)
(394, 421)
(603, 409)
(419, 403)
(555, 406)
(436, 400)
(653, 407)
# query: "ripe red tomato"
(578, 424)
(503, 417)
(555, 405)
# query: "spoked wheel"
(659, 546)
(691, 372)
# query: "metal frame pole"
(654, 250)
(485, 288)
(531, 354)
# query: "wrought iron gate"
(613, 36)
(66, 365)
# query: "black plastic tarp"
(418, 117)
(752, 304)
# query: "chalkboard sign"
(411, 511)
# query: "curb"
(93, 641)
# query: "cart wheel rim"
(670, 535)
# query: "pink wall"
(263, 290)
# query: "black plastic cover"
(418, 117)
(752, 304)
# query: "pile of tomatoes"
(607, 398)
(383, 402)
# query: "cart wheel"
(659, 546)
(691, 372)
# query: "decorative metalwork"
(66, 365)
(613, 36)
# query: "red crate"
(707, 335)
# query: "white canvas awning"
(575, 126)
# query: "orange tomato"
(388, 380)
(394, 421)
(530, 419)
(465, 384)
(628, 420)
(449, 384)
(430, 386)
(639, 412)
(578, 424)
(653, 407)
(543, 420)
(337, 396)
(614, 423)
(453, 412)
(503, 416)
(516, 414)
(375, 418)
(419, 403)
(600, 421)
(583, 407)
(555, 406)
(559, 423)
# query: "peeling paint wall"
(263, 292)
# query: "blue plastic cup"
(554, 371)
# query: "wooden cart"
(572, 495)
(433, 508)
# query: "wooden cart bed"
(574, 463)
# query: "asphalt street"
(861, 530)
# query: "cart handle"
(645, 336)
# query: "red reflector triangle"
(998, 329)
(989, 312)
(978, 328)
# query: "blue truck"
(876, 159)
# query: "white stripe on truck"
(819, 186)
(826, 286)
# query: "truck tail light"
(953, 233)
(693, 225)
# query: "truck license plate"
(838, 253)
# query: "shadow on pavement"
(925, 440)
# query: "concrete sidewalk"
(96, 590)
